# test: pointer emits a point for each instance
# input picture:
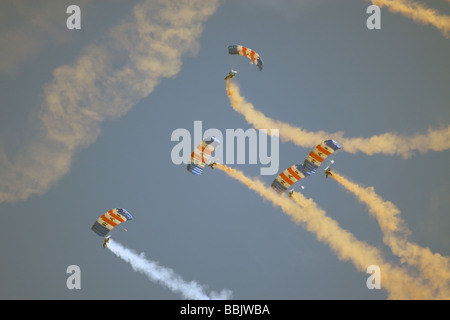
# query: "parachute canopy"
(296, 172)
(201, 155)
(288, 177)
(319, 153)
(247, 52)
(110, 220)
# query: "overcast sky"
(87, 117)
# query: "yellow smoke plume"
(386, 143)
(432, 266)
(396, 280)
(418, 12)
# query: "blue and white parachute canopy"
(296, 172)
(201, 154)
(108, 221)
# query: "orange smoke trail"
(418, 12)
(386, 143)
(398, 283)
(433, 266)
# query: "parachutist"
(105, 243)
(212, 164)
(231, 75)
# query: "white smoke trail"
(166, 276)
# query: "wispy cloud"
(28, 26)
(287, 8)
(104, 83)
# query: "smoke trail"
(396, 280)
(167, 277)
(105, 82)
(418, 12)
(386, 143)
(432, 266)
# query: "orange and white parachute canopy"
(108, 221)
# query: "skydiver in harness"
(105, 243)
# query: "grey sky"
(86, 123)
